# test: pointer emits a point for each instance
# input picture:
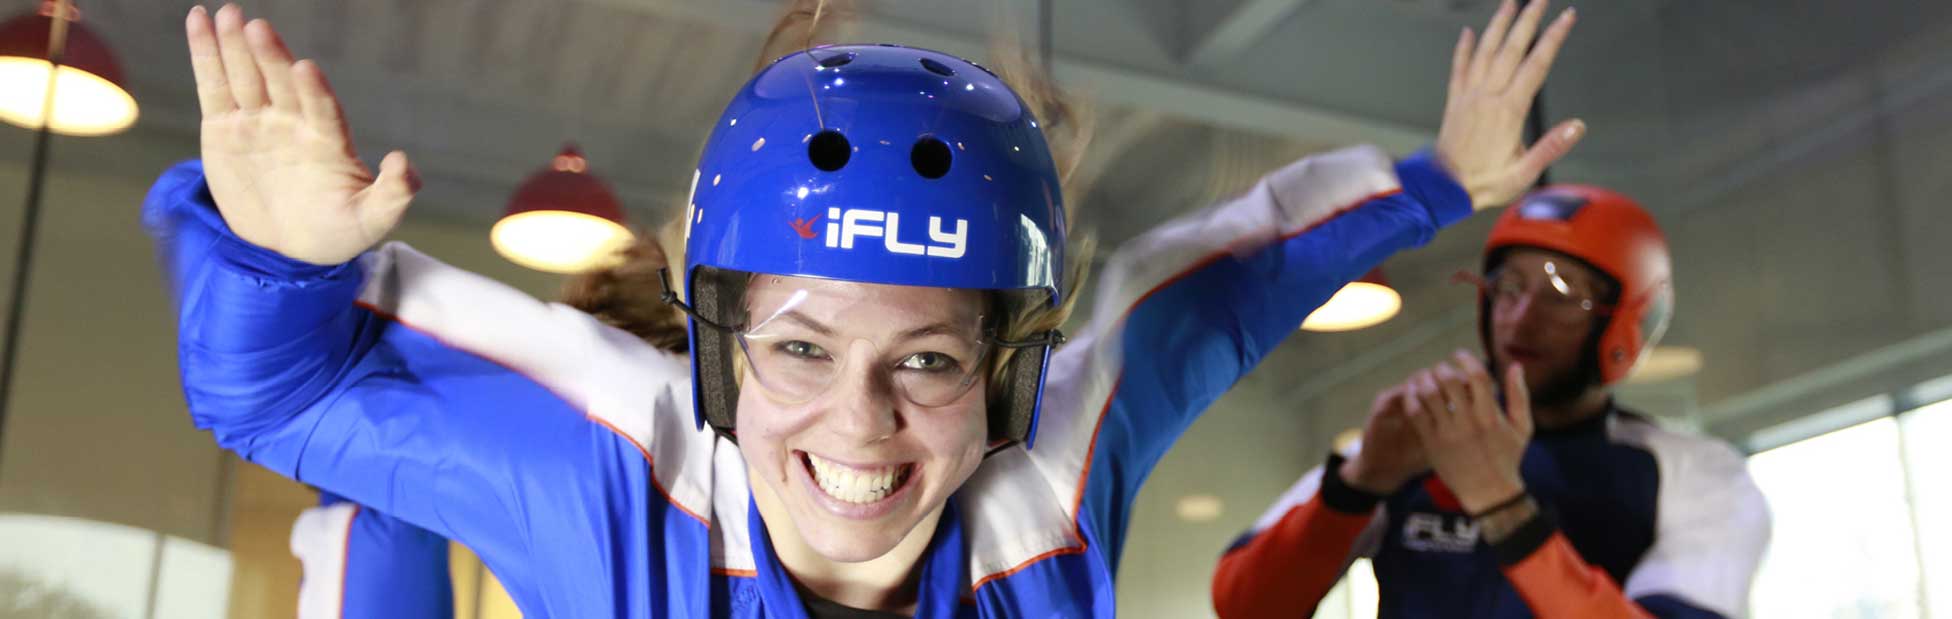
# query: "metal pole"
(31, 216)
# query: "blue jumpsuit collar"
(944, 569)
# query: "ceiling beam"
(1207, 103)
(1111, 139)
(1797, 391)
(1243, 25)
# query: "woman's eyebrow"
(943, 327)
(805, 321)
(938, 328)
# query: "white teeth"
(859, 486)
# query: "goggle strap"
(670, 297)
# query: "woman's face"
(828, 419)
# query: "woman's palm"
(276, 150)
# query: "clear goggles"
(1546, 285)
(801, 337)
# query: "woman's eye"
(930, 362)
(802, 349)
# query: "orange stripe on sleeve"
(1557, 584)
(1289, 566)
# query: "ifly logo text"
(845, 227)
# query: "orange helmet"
(1613, 234)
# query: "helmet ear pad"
(1637, 324)
(719, 295)
(1015, 402)
(1013, 405)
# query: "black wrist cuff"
(1338, 495)
(1526, 539)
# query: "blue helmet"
(879, 164)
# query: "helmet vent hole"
(837, 60)
(829, 150)
(930, 157)
(938, 68)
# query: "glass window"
(1928, 458)
(56, 566)
(1842, 544)
(1353, 598)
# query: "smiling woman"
(857, 427)
(856, 481)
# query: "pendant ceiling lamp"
(1363, 303)
(89, 95)
(562, 219)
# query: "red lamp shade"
(89, 98)
(1363, 303)
(562, 220)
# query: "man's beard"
(1565, 386)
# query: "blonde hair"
(1067, 123)
(805, 24)
(627, 296)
